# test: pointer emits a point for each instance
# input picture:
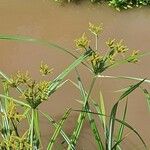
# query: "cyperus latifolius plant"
(98, 62)
(24, 106)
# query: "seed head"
(44, 69)
(82, 42)
(95, 29)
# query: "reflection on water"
(61, 25)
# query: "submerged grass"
(33, 93)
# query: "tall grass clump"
(14, 110)
(128, 4)
(117, 4)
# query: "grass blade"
(120, 132)
(114, 112)
(121, 129)
(95, 131)
(91, 119)
(51, 120)
(16, 101)
(125, 94)
(102, 118)
(124, 77)
(121, 122)
(147, 95)
(82, 116)
(109, 140)
(4, 108)
(102, 107)
(33, 40)
(130, 89)
(39, 42)
(57, 81)
(102, 110)
(58, 129)
(96, 106)
(118, 142)
(131, 128)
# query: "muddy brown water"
(62, 24)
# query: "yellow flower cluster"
(82, 42)
(118, 47)
(95, 29)
(36, 93)
(15, 142)
(33, 92)
(134, 57)
(44, 69)
(95, 58)
(102, 62)
(12, 113)
(19, 78)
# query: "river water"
(61, 25)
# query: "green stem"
(81, 117)
(35, 137)
(4, 106)
(32, 129)
(15, 127)
(37, 128)
(96, 42)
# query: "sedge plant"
(15, 109)
(100, 63)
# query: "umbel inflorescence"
(116, 53)
(33, 92)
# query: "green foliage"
(15, 142)
(128, 4)
(15, 109)
(117, 4)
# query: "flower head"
(35, 93)
(82, 42)
(19, 78)
(118, 47)
(95, 58)
(15, 142)
(133, 58)
(97, 62)
(95, 29)
(44, 69)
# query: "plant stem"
(31, 129)
(96, 42)
(34, 130)
(81, 117)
